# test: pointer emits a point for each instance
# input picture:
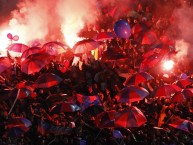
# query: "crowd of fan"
(79, 126)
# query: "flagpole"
(14, 102)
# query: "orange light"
(168, 65)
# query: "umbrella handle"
(14, 102)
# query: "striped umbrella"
(131, 94)
(132, 117)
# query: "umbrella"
(34, 63)
(131, 94)
(188, 92)
(178, 97)
(167, 90)
(30, 51)
(181, 124)
(138, 78)
(139, 27)
(15, 132)
(150, 62)
(105, 36)
(18, 121)
(149, 38)
(5, 63)
(64, 107)
(183, 83)
(57, 97)
(132, 117)
(85, 46)
(23, 93)
(17, 47)
(48, 80)
(26, 84)
(54, 48)
(105, 119)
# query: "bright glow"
(168, 65)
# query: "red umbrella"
(131, 94)
(138, 78)
(139, 27)
(178, 97)
(23, 93)
(5, 63)
(150, 62)
(15, 132)
(18, 121)
(29, 52)
(105, 36)
(105, 119)
(64, 107)
(149, 38)
(167, 90)
(48, 80)
(17, 47)
(188, 92)
(183, 83)
(85, 46)
(27, 84)
(181, 124)
(54, 48)
(34, 63)
(132, 117)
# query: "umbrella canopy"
(181, 124)
(54, 48)
(18, 121)
(30, 51)
(105, 119)
(85, 46)
(188, 92)
(131, 94)
(5, 63)
(23, 93)
(93, 110)
(138, 78)
(183, 83)
(167, 90)
(34, 63)
(150, 62)
(15, 132)
(64, 107)
(48, 80)
(57, 97)
(139, 27)
(17, 47)
(26, 84)
(132, 117)
(105, 36)
(149, 38)
(178, 97)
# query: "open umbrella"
(18, 121)
(54, 48)
(34, 63)
(167, 90)
(105, 36)
(29, 52)
(48, 80)
(188, 92)
(181, 124)
(5, 63)
(64, 107)
(183, 83)
(85, 46)
(131, 94)
(132, 117)
(178, 97)
(15, 132)
(149, 38)
(150, 62)
(17, 47)
(139, 27)
(105, 119)
(138, 78)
